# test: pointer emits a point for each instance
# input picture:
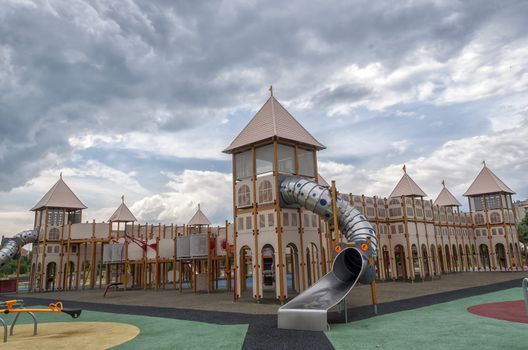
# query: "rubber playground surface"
(438, 321)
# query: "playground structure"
(17, 307)
(272, 248)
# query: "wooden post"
(278, 212)
(92, 258)
(44, 251)
(407, 237)
(68, 248)
(254, 213)
(235, 235)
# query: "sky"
(139, 98)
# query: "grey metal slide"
(308, 311)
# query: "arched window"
(265, 193)
(53, 234)
(479, 219)
(495, 218)
(244, 196)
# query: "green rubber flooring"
(441, 326)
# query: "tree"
(522, 229)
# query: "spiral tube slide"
(11, 246)
(308, 311)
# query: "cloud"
(457, 162)
(212, 190)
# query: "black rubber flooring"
(263, 332)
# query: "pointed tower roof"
(407, 187)
(446, 199)
(321, 181)
(199, 218)
(273, 120)
(122, 213)
(59, 196)
(487, 182)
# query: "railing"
(525, 292)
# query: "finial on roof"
(271, 90)
(123, 199)
(484, 162)
(198, 206)
(404, 168)
(60, 174)
(443, 183)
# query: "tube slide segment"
(308, 311)
(11, 246)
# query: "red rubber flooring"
(513, 311)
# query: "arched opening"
(518, 256)
(454, 256)
(308, 267)
(292, 268)
(399, 257)
(433, 259)
(441, 259)
(474, 256)
(513, 261)
(51, 273)
(500, 252)
(244, 196)
(461, 257)
(246, 270)
(468, 258)
(484, 256)
(268, 267)
(415, 261)
(315, 262)
(447, 258)
(386, 261)
(425, 260)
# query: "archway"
(386, 261)
(292, 268)
(513, 261)
(51, 272)
(315, 262)
(268, 267)
(425, 260)
(246, 270)
(433, 258)
(441, 259)
(469, 264)
(500, 252)
(399, 257)
(448, 258)
(415, 261)
(308, 267)
(454, 256)
(484, 256)
(474, 257)
(461, 257)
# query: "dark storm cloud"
(69, 68)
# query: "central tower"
(275, 248)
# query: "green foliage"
(10, 268)
(522, 229)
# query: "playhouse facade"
(267, 250)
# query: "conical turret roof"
(446, 199)
(199, 219)
(59, 196)
(407, 187)
(487, 182)
(122, 213)
(273, 120)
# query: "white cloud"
(210, 189)
(457, 161)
